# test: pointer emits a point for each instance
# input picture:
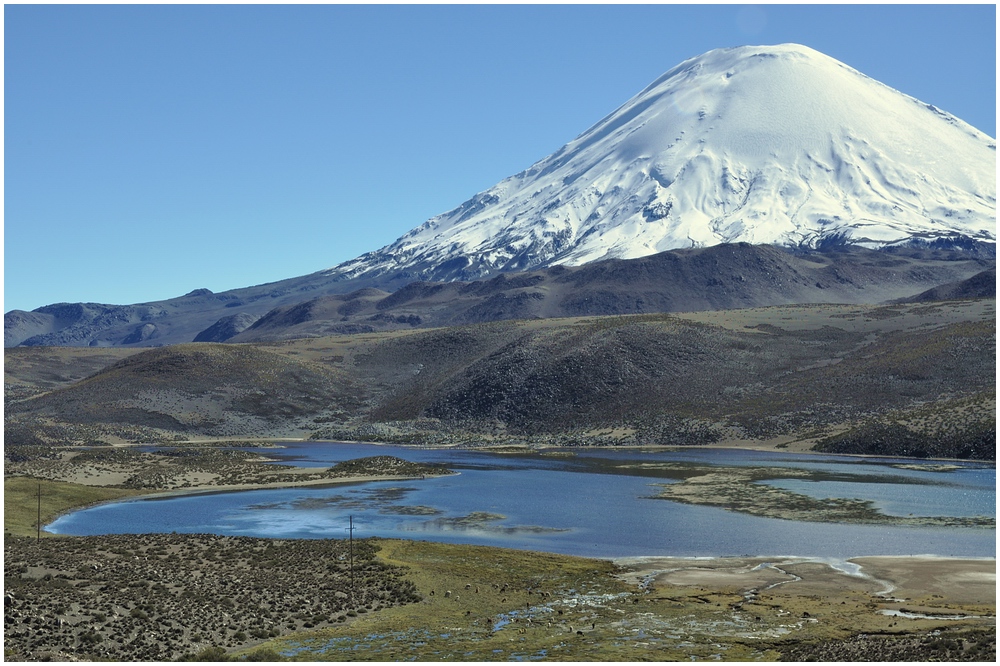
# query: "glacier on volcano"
(759, 144)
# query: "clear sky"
(152, 150)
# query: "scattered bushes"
(192, 600)
(977, 442)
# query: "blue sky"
(152, 150)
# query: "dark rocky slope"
(720, 277)
(980, 285)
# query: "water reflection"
(584, 502)
(912, 500)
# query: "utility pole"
(38, 523)
(350, 531)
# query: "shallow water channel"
(591, 502)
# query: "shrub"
(263, 654)
(214, 653)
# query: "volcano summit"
(759, 144)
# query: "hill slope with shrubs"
(905, 379)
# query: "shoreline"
(728, 445)
(921, 585)
(686, 492)
(202, 487)
(233, 488)
(636, 560)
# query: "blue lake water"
(579, 505)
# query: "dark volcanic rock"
(907, 379)
(714, 278)
(238, 390)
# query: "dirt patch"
(947, 581)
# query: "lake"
(579, 503)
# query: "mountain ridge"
(682, 285)
(721, 277)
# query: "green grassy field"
(20, 502)
(490, 604)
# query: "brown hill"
(204, 389)
(793, 372)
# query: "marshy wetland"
(280, 586)
(165, 597)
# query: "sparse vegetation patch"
(169, 597)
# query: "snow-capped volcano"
(760, 144)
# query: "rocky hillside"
(980, 285)
(722, 277)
